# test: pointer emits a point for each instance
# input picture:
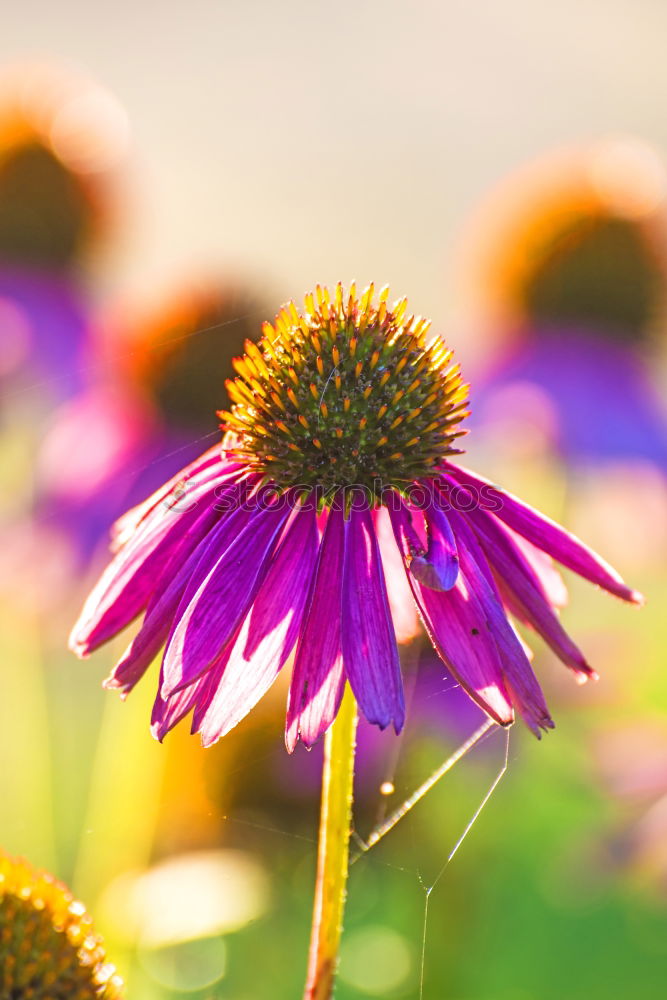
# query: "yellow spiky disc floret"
(347, 392)
(48, 947)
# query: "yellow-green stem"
(333, 851)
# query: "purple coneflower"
(343, 420)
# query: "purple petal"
(458, 630)
(177, 585)
(369, 647)
(164, 603)
(401, 602)
(267, 637)
(520, 680)
(127, 584)
(439, 567)
(218, 540)
(523, 591)
(547, 535)
(168, 712)
(128, 522)
(218, 607)
(551, 582)
(211, 465)
(318, 680)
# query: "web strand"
(382, 829)
(422, 963)
(428, 889)
(412, 670)
(388, 825)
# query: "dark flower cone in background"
(572, 264)
(181, 355)
(576, 239)
(44, 212)
(163, 377)
(48, 947)
(61, 139)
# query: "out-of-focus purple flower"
(121, 436)
(95, 448)
(344, 418)
(177, 358)
(593, 398)
(60, 136)
(44, 337)
(575, 238)
(572, 268)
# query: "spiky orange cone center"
(348, 392)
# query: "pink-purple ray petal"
(318, 679)
(212, 464)
(174, 590)
(127, 584)
(370, 655)
(523, 591)
(458, 630)
(548, 536)
(552, 584)
(401, 602)
(164, 603)
(168, 712)
(519, 677)
(217, 609)
(268, 635)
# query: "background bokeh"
(168, 175)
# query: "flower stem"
(333, 851)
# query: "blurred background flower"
(148, 411)
(48, 946)
(62, 141)
(570, 271)
(568, 264)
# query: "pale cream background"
(308, 141)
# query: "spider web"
(384, 828)
(363, 847)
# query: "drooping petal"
(546, 535)
(168, 712)
(267, 637)
(164, 603)
(211, 465)
(318, 680)
(401, 602)
(457, 628)
(174, 590)
(520, 680)
(551, 581)
(125, 526)
(245, 669)
(524, 593)
(370, 655)
(438, 568)
(127, 584)
(222, 599)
